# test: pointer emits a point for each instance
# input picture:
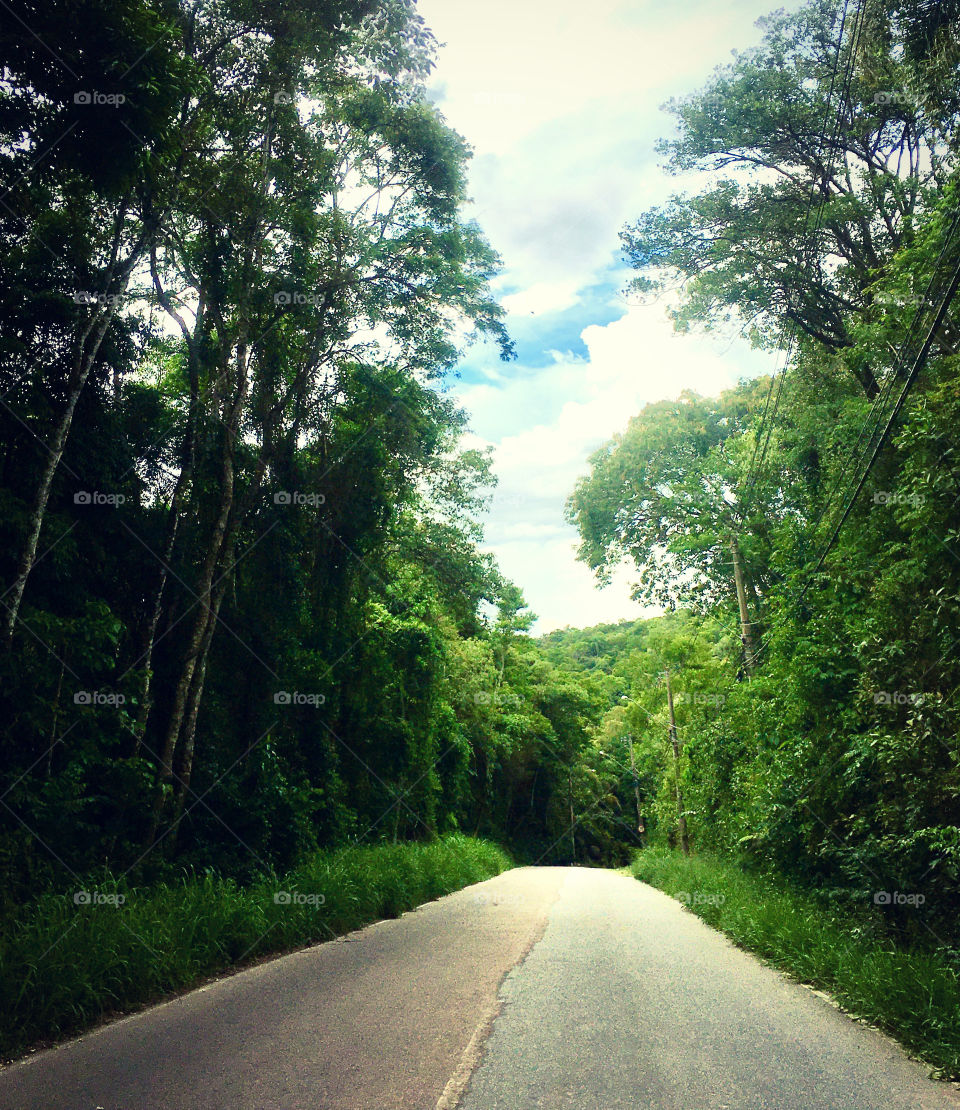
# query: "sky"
(561, 103)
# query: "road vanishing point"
(546, 987)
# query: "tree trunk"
(117, 277)
(190, 728)
(182, 724)
(188, 732)
(80, 371)
(184, 478)
(573, 822)
(194, 646)
(53, 724)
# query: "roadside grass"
(912, 995)
(68, 961)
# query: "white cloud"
(568, 595)
(633, 361)
(509, 67)
(561, 104)
(542, 297)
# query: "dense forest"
(247, 611)
(817, 696)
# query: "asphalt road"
(544, 987)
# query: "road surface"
(545, 987)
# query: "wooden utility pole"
(681, 814)
(641, 828)
(573, 822)
(746, 625)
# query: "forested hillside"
(824, 743)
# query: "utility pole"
(746, 625)
(573, 822)
(681, 815)
(641, 828)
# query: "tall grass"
(69, 960)
(913, 995)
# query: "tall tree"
(828, 158)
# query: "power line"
(879, 403)
(907, 385)
(950, 292)
(875, 415)
(808, 248)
